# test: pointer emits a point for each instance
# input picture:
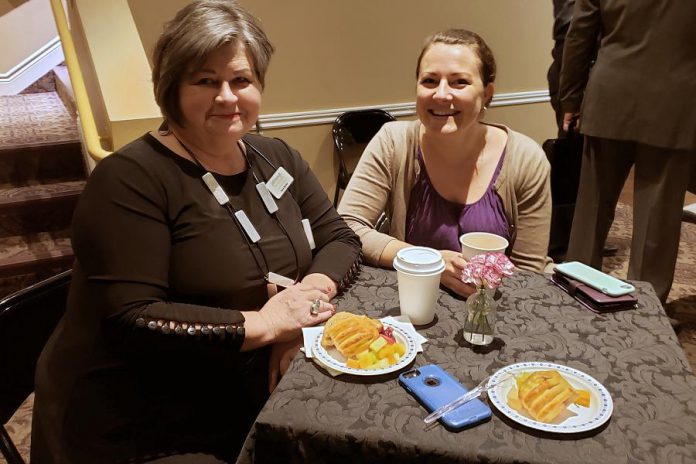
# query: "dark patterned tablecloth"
(313, 417)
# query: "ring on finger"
(314, 309)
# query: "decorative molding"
(310, 118)
(520, 98)
(32, 68)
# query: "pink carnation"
(487, 270)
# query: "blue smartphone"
(434, 387)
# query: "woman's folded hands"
(289, 311)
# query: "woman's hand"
(287, 312)
(452, 277)
(323, 282)
(281, 355)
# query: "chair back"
(27, 318)
(352, 131)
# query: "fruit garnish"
(385, 351)
(366, 359)
(363, 342)
(388, 334)
(378, 344)
(583, 398)
(392, 352)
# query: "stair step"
(16, 282)
(39, 118)
(55, 162)
(42, 174)
(30, 196)
(24, 254)
(41, 207)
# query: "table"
(312, 417)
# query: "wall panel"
(334, 54)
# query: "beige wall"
(24, 29)
(340, 54)
(110, 49)
(332, 54)
(9, 5)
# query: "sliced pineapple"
(386, 355)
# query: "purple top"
(435, 222)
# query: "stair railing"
(84, 110)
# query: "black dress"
(146, 360)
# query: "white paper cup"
(475, 243)
(418, 271)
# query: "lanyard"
(239, 217)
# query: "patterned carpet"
(40, 158)
(20, 116)
(681, 304)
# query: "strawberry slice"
(388, 334)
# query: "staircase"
(41, 176)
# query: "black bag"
(565, 156)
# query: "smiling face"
(450, 94)
(221, 100)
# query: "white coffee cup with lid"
(476, 243)
(418, 271)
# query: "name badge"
(279, 182)
(279, 280)
(266, 197)
(215, 189)
(308, 232)
(248, 227)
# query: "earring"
(163, 129)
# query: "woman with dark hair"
(448, 173)
(177, 326)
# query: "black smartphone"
(434, 387)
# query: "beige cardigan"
(388, 170)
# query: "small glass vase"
(479, 326)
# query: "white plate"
(333, 359)
(578, 419)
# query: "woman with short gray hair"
(195, 32)
(177, 325)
